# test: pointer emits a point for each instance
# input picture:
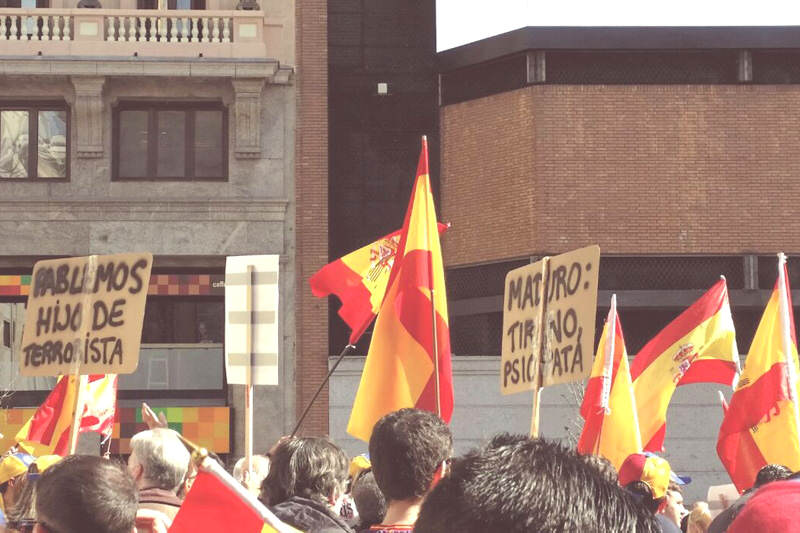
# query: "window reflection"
(14, 144)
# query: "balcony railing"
(124, 32)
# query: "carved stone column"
(247, 117)
(89, 114)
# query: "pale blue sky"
(464, 21)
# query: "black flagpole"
(347, 350)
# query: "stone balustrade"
(143, 32)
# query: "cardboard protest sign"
(560, 292)
(260, 348)
(85, 314)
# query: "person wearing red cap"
(774, 508)
(646, 477)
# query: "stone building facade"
(182, 130)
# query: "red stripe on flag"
(700, 311)
(656, 443)
(751, 403)
(593, 415)
(741, 457)
(212, 506)
(415, 314)
(709, 371)
(44, 421)
(356, 309)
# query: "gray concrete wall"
(481, 411)
(251, 213)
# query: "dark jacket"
(309, 516)
(724, 519)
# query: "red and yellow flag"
(400, 367)
(216, 502)
(47, 432)
(359, 280)
(761, 424)
(608, 408)
(699, 346)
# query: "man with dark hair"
(603, 465)
(369, 500)
(408, 450)
(767, 474)
(84, 493)
(516, 484)
(306, 483)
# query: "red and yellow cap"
(651, 469)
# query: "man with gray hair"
(158, 464)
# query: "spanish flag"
(359, 280)
(400, 367)
(761, 424)
(48, 430)
(611, 429)
(699, 346)
(217, 502)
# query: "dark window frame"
(152, 108)
(33, 109)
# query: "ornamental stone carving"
(89, 115)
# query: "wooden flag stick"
(248, 394)
(541, 345)
(81, 383)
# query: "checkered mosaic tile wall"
(160, 285)
(208, 427)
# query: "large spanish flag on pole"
(608, 408)
(408, 364)
(761, 424)
(699, 346)
(359, 280)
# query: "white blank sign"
(263, 351)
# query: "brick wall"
(636, 169)
(311, 221)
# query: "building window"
(6, 333)
(34, 141)
(170, 141)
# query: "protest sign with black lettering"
(563, 354)
(85, 315)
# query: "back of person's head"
(369, 500)
(23, 510)
(158, 459)
(603, 465)
(643, 495)
(308, 467)
(772, 472)
(516, 484)
(259, 468)
(699, 519)
(84, 493)
(406, 449)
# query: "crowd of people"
(410, 481)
